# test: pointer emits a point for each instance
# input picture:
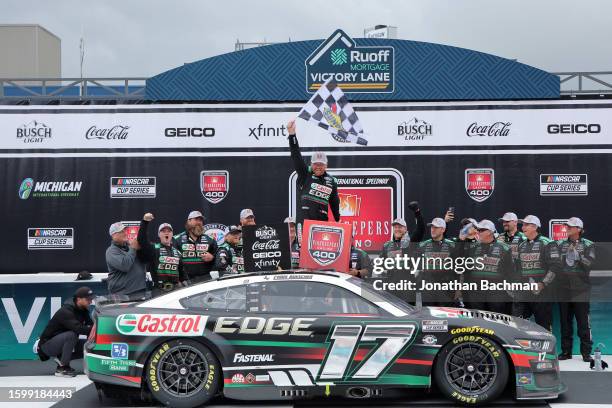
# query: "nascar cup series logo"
(479, 183)
(214, 185)
(161, 325)
(133, 187)
(325, 244)
(50, 238)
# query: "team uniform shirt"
(577, 260)
(166, 266)
(295, 254)
(228, 259)
(192, 251)
(360, 260)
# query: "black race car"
(308, 334)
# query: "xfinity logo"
(253, 358)
(262, 131)
(189, 132)
(571, 128)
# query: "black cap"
(83, 292)
(234, 229)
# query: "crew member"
(197, 249)
(577, 258)
(434, 252)
(228, 259)
(126, 264)
(539, 262)
(316, 188)
(60, 338)
(511, 236)
(497, 267)
(295, 245)
(247, 217)
(360, 264)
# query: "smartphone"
(451, 210)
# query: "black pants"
(580, 311)
(542, 311)
(66, 346)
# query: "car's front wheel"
(471, 370)
(183, 373)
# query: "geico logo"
(569, 128)
(258, 325)
(158, 324)
(189, 132)
(259, 255)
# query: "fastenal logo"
(557, 230)
(353, 68)
(34, 132)
(161, 325)
(133, 187)
(479, 183)
(564, 185)
(414, 129)
(47, 189)
(50, 238)
(214, 185)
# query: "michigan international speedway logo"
(26, 188)
(353, 68)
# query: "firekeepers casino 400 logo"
(557, 229)
(214, 185)
(479, 183)
(369, 200)
(325, 244)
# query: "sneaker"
(565, 356)
(65, 371)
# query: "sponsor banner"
(214, 185)
(133, 187)
(353, 68)
(161, 324)
(370, 199)
(456, 124)
(557, 230)
(479, 183)
(564, 185)
(29, 188)
(50, 238)
(326, 245)
(266, 247)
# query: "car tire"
(476, 359)
(183, 373)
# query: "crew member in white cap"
(295, 245)
(434, 252)
(497, 266)
(247, 217)
(539, 262)
(511, 235)
(197, 249)
(317, 190)
(577, 259)
(399, 243)
(126, 264)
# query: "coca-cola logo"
(496, 129)
(117, 132)
(260, 246)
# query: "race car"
(287, 336)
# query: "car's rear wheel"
(471, 370)
(183, 373)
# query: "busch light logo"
(353, 68)
(119, 351)
(325, 244)
(26, 188)
(126, 323)
(265, 232)
(33, 132)
(414, 129)
(479, 183)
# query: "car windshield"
(374, 295)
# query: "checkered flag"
(331, 110)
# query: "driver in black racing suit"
(317, 189)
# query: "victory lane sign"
(266, 247)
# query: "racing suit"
(539, 261)
(498, 266)
(166, 267)
(191, 252)
(316, 194)
(295, 254)
(228, 259)
(433, 272)
(360, 261)
(577, 258)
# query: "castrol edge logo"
(161, 325)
